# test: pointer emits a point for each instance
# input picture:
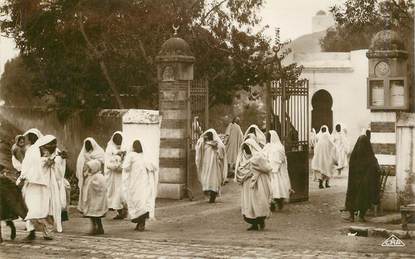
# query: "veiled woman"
(280, 181)
(341, 143)
(90, 151)
(259, 135)
(114, 156)
(43, 171)
(324, 158)
(233, 142)
(252, 172)
(140, 180)
(211, 163)
(363, 182)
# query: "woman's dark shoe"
(100, 228)
(47, 238)
(327, 184)
(31, 236)
(212, 198)
(320, 184)
(272, 207)
(262, 225)
(253, 228)
(280, 203)
(141, 226)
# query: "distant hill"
(309, 43)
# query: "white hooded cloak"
(211, 162)
(280, 180)
(84, 157)
(140, 181)
(324, 155)
(44, 189)
(113, 173)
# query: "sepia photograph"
(207, 129)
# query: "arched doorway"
(321, 113)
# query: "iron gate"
(197, 107)
(290, 103)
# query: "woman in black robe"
(12, 204)
(364, 176)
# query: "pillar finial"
(175, 28)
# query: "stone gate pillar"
(388, 97)
(174, 72)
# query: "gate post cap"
(175, 46)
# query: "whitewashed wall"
(343, 75)
(143, 125)
(405, 156)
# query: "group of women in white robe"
(119, 179)
(260, 168)
(331, 153)
(44, 184)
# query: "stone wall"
(70, 134)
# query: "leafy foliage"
(86, 52)
(358, 21)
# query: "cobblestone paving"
(69, 246)
(198, 229)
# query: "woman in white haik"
(339, 139)
(257, 132)
(252, 172)
(211, 163)
(114, 156)
(140, 180)
(280, 180)
(43, 171)
(90, 151)
(324, 158)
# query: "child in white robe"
(94, 196)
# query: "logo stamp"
(393, 241)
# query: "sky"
(292, 16)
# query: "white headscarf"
(260, 136)
(243, 158)
(275, 140)
(112, 148)
(324, 153)
(97, 153)
(341, 136)
(31, 165)
(34, 131)
(274, 150)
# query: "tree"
(16, 83)
(87, 52)
(358, 20)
